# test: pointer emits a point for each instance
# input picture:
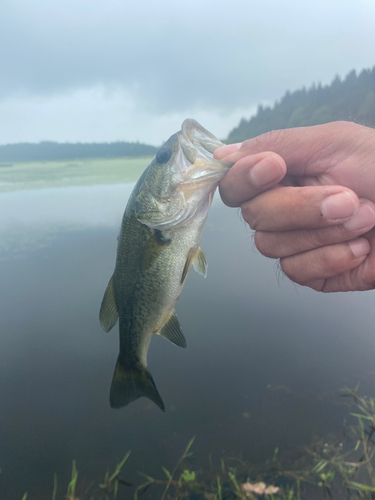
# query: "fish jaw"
(204, 169)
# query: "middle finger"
(289, 208)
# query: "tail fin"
(131, 383)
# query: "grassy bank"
(332, 467)
(38, 175)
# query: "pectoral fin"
(108, 315)
(200, 262)
(153, 248)
(197, 258)
(172, 331)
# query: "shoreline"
(60, 174)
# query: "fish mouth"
(196, 160)
(198, 136)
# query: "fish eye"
(163, 155)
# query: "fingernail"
(339, 206)
(265, 171)
(365, 217)
(226, 150)
(360, 247)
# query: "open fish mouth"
(196, 160)
(199, 137)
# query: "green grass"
(348, 465)
(38, 175)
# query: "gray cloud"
(171, 57)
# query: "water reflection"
(263, 366)
(32, 218)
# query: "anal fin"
(172, 331)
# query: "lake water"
(263, 367)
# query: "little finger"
(323, 263)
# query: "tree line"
(350, 99)
(50, 151)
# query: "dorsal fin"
(108, 315)
(172, 331)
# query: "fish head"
(180, 182)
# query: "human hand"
(309, 193)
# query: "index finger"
(250, 176)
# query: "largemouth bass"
(158, 243)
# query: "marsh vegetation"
(326, 467)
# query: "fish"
(158, 243)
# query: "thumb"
(299, 147)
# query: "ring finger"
(277, 244)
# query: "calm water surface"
(263, 367)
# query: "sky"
(130, 70)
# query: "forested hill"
(49, 151)
(351, 99)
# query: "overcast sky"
(107, 70)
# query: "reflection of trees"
(351, 99)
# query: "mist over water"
(263, 367)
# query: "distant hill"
(351, 99)
(50, 151)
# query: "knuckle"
(264, 245)
(288, 268)
(228, 199)
(228, 192)
(250, 215)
